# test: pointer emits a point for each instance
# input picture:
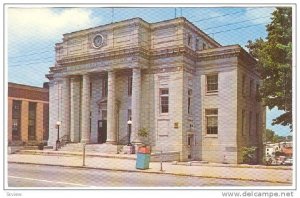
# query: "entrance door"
(102, 133)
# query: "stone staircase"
(92, 148)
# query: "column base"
(85, 141)
(111, 142)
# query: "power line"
(30, 63)
(243, 27)
(237, 28)
(30, 54)
(159, 37)
(234, 23)
(20, 61)
(232, 13)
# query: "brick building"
(28, 114)
(195, 97)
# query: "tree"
(273, 138)
(274, 56)
(269, 135)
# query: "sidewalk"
(283, 176)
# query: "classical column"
(75, 109)
(85, 109)
(65, 116)
(111, 119)
(136, 104)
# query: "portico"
(76, 97)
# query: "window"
(212, 83)
(190, 139)
(257, 95)
(197, 44)
(203, 46)
(104, 87)
(211, 121)
(129, 85)
(250, 121)
(257, 123)
(91, 89)
(243, 85)
(31, 120)
(243, 122)
(164, 100)
(104, 114)
(129, 114)
(189, 40)
(190, 92)
(16, 120)
(251, 87)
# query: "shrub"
(249, 154)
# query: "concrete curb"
(239, 166)
(150, 172)
(61, 153)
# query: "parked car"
(288, 161)
(280, 160)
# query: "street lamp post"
(129, 122)
(57, 141)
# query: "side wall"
(252, 132)
(221, 148)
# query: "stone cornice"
(105, 55)
(175, 51)
(136, 53)
(219, 53)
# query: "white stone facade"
(168, 64)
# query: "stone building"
(195, 97)
(28, 114)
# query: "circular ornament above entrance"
(98, 41)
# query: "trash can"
(143, 158)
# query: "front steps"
(92, 148)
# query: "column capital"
(111, 71)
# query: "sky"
(33, 32)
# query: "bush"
(249, 154)
(143, 132)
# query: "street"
(23, 175)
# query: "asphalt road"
(24, 175)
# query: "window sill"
(211, 93)
(211, 136)
(164, 115)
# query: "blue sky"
(32, 33)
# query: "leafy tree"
(274, 138)
(269, 135)
(274, 55)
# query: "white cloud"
(40, 23)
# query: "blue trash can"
(142, 159)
